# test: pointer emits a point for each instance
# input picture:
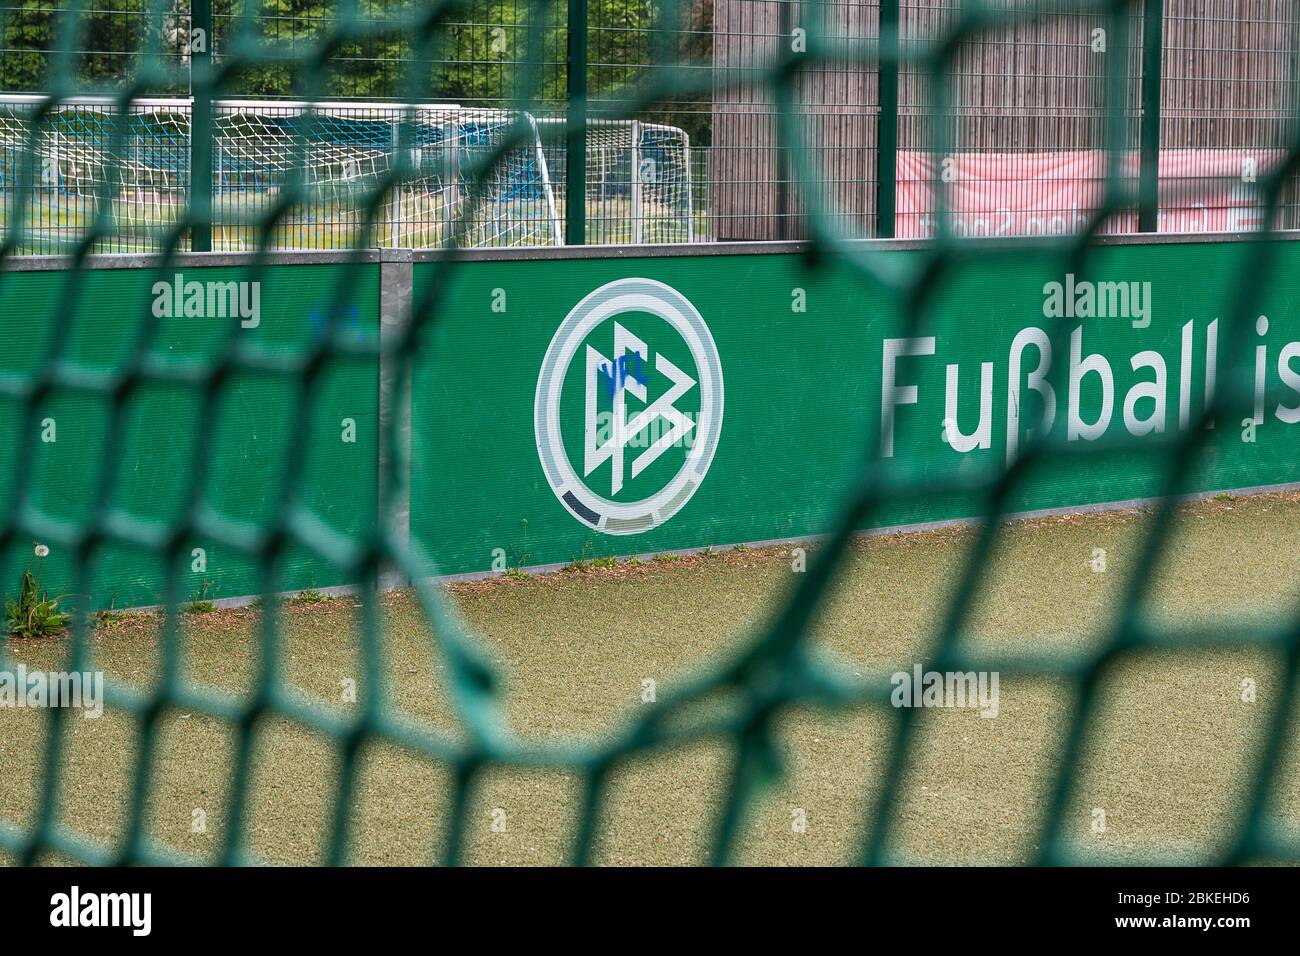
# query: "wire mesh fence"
(1025, 113)
(779, 669)
(335, 154)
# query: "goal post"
(639, 185)
(335, 153)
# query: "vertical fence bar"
(887, 120)
(690, 190)
(782, 166)
(451, 207)
(637, 225)
(575, 160)
(201, 128)
(1149, 176)
(395, 207)
(1289, 213)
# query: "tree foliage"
(477, 61)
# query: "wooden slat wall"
(749, 196)
(1228, 72)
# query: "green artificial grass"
(1169, 759)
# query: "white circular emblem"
(621, 375)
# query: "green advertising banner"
(165, 457)
(570, 408)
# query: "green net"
(779, 669)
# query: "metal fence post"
(783, 168)
(575, 162)
(636, 183)
(396, 294)
(452, 205)
(201, 128)
(887, 120)
(1149, 175)
(395, 207)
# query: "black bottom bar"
(342, 906)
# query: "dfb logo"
(630, 387)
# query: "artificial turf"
(1169, 760)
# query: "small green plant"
(516, 574)
(583, 563)
(35, 613)
(1223, 497)
(667, 558)
(201, 604)
(524, 553)
(113, 619)
(609, 561)
(632, 562)
(310, 596)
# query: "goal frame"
(396, 113)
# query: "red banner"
(1055, 193)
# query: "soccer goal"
(639, 185)
(334, 156)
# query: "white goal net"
(320, 166)
(639, 186)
